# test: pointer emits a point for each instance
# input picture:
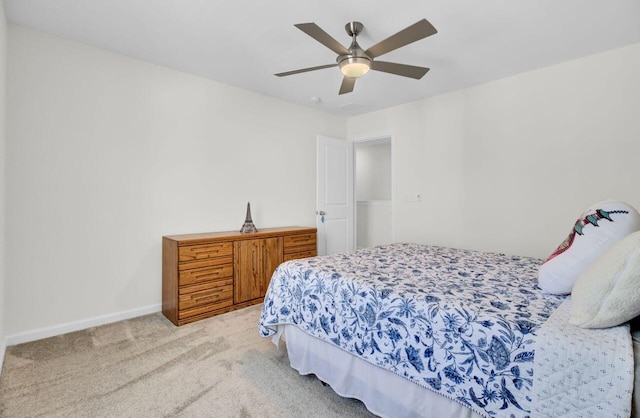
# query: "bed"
(414, 330)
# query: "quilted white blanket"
(582, 372)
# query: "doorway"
(374, 191)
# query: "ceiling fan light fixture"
(355, 66)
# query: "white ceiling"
(244, 42)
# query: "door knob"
(320, 212)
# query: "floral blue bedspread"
(462, 323)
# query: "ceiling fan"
(355, 62)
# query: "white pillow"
(597, 229)
(608, 292)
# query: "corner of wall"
(3, 83)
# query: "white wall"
(3, 74)
(373, 171)
(106, 154)
(373, 223)
(509, 165)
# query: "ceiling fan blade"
(304, 70)
(415, 32)
(347, 85)
(399, 69)
(323, 37)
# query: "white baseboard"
(3, 349)
(52, 331)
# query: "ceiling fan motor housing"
(357, 62)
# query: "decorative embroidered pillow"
(597, 229)
(608, 292)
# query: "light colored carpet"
(147, 367)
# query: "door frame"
(373, 140)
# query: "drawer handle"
(207, 298)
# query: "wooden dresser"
(211, 273)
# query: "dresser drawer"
(204, 251)
(299, 243)
(205, 262)
(204, 309)
(302, 254)
(217, 292)
(205, 274)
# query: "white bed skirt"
(384, 393)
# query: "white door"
(334, 213)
